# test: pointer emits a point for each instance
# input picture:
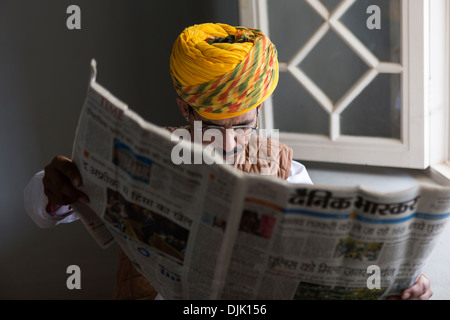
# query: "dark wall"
(44, 70)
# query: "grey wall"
(44, 69)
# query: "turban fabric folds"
(223, 71)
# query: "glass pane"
(384, 42)
(291, 24)
(333, 66)
(330, 4)
(295, 110)
(376, 111)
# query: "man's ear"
(184, 107)
(258, 110)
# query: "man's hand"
(419, 291)
(61, 181)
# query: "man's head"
(235, 132)
(222, 74)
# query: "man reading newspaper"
(222, 75)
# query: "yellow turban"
(223, 71)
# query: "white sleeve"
(35, 202)
(298, 174)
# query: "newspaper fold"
(200, 231)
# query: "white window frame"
(423, 132)
(440, 116)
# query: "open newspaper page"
(171, 220)
(200, 231)
(321, 242)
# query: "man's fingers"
(427, 295)
(54, 179)
(58, 189)
(56, 199)
(73, 194)
(60, 181)
(63, 195)
(68, 169)
(420, 290)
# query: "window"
(440, 84)
(355, 92)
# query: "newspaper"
(200, 231)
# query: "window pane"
(333, 66)
(291, 24)
(295, 110)
(330, 4)
(384, 42)
(376, 111)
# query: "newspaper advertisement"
(209, 231)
